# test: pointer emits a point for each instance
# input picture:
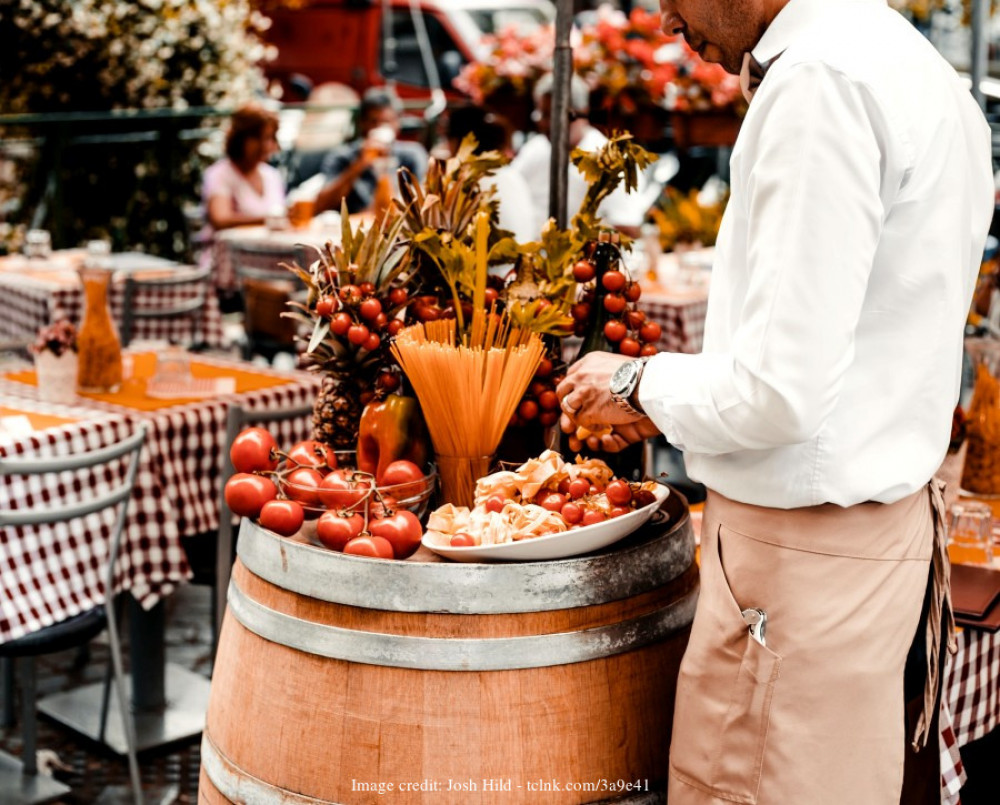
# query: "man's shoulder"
(340, 156)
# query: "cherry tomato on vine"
(338, 492)
(375, 547)
(310, 453)
(584, 271)
(283, 517)
(357, 334)
(635, 319)
(404, 477)
(370, 308)
(251, 451)
(614, 281)
(326, 306)
(614, 303)
(630, 347)
(371, 342)
(366, 288)
(650, 332)
(341, 323)
(615, 331)
(402, 531)
(398, 296)
(548, 400)
(544, 368)
(648, 350)
(528, 410)
(335, 531)
(303, 485)
(246, 494)
(548, 418)
(633, 292)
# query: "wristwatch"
(624, 384)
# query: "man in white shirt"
(822, 403)
(535, 157)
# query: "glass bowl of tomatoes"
(338, 486)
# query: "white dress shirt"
(861, 197)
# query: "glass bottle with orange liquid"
(98, 346)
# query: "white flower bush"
(73, 55)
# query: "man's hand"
(585, 398)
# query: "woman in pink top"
(242, 188)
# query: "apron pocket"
(728, 690)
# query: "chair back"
(236, 420)
(118, 494)
(265, 288)
(181, 295)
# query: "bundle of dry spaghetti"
(468, 390)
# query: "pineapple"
(356, 291)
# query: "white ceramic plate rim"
(633, 519)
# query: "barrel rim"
(415, 652)
(472, 588)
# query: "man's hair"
(579, 92)
(250, 120)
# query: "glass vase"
(99, 348)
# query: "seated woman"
(242, 189)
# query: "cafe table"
(279, 243)
(35, 289)
(176, 495)
(677, 299)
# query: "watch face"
(622, 377)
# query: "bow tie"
(752, 73)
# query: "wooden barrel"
(352, 680)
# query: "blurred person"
(242, 188)
(513, 192)
(351, 169)
(534, 158)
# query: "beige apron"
(816, 716)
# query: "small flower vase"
(56, 375)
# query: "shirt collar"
(793, 18)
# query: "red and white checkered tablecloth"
(681, 317)
(281, 243)
(33, 301)
(176, 492)
(971, 700)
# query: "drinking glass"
(970, 533)
(38, 243)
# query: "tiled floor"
(85, 767)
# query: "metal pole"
(562, 74)
(980, 20)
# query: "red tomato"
(403, 531)
(246, 494)
(491, 296)
(366, 288)
(375, 547)
(528, 410)
(619, 493)
(462, 541)
(614, 303)
(341, 323)
(630, 347)
(335, 531)
(393, 328)
(572, 513)
(303, 485)
(548, 400)
(552, 501)
(251, 451)
(388, 381)
(326, 306)
(578, 488)
(564, 486)
(592, 517)
(370, 308)
(618, 511)
(371, 342)
(544, 368)
(583, 271)
(495, 503)
(633, 292)
(650, 332)
(405, 478)
(380, 321)
(351, 294)
(635, 319)
(337, 492)
(357, 334)
(615, 331)
(311, 453)
(614, 281)
(398, 296)
(643, 497)
(580, 311)
(282, 516)
(648, 350)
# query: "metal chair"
(189, 307)
(21, 783)
(215, 568)
(265, 288)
